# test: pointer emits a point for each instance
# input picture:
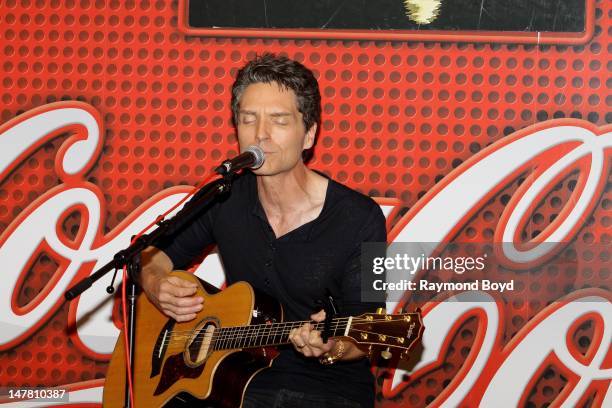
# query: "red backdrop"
(398, 117)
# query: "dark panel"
(486, 15)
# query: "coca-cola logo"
(493, 371)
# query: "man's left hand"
(308, 341)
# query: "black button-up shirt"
(297, 269)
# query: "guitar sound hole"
(199, 346)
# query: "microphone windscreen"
(259, 156)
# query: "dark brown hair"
(288, 74)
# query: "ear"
(309, 138)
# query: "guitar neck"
(273, 334)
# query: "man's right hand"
(173, 296)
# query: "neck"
(274, 334)
(288, 192)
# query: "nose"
(262, 131)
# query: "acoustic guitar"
(210, 360)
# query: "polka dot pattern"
(397, 118)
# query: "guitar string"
(298, 322)
(356, 320)
(264, 335)
(213, 344)
(262, 330)
(217, 340)
(357, 330)
(249, 331)
(231, 332)
(214, 341)
(233, 343)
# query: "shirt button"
(267, 281)
(268, 263)
(272, 247)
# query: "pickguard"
(175, 369)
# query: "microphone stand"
(130, 257)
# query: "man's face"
(269, 118)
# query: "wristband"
(326, 359)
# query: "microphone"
(253, 158)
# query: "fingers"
(309, 342)
(297, 345)
(166, 296)
(316, 344)
(300, 339)
(181, 317)
(175, 298)
(319, 316)
(296, 339)
(180, 287)
(182, 311)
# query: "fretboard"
(273, 334)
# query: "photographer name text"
(427, 286)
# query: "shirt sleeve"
(373, 230)
(185, 244)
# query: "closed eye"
(281, 118)
(247, 119)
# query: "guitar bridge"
(161, 345)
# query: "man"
(288, 231)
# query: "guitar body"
(172, 364)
